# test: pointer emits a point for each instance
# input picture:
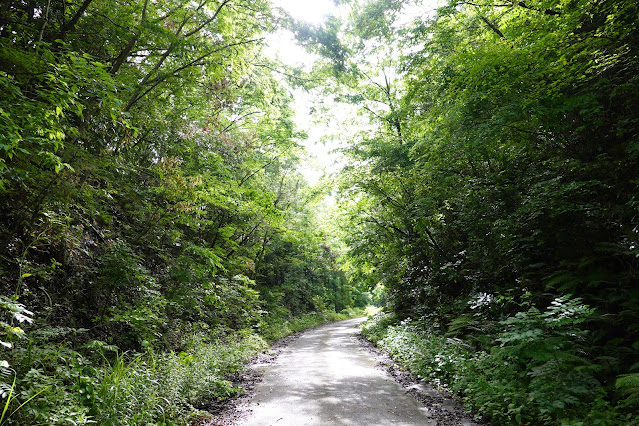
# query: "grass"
(102, 386)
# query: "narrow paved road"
(325, 378)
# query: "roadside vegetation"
(95, 383)
(535, 371)
(492, 195)
(155, 230)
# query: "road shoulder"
(442, 407)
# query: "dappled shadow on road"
(324, 378)
(441, 406)
(232, 411)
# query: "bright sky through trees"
(309, 11)
(282, 46)
(323, 137)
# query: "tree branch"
(137, 95)
(287, 74)
(239, 119)
(208, 21)
(129, 47)
(78, 14)
(492, 26)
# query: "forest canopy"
(495, 197)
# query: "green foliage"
(58, 385)
(543, 352)
(149, 193)
(628, 385)
(281, 324)
(323, 40)
(536, 371)
(437, 359)
(160, 388)
(16, 313)
(375, 329)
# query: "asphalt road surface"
(325, 378)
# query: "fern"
(459, 325)
(628, 384)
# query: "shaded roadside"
(332, 375)
(444, 408)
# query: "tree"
(503, 164)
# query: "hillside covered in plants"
(494, 197)
(157, 230)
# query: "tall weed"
(165, 388)
(97, 384)
(66, 387)
(536, 371)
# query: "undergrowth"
(275, 327)
(98, 384)
(535, 371)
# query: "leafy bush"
(536, 372)
(164, 388)
(375, 329)
(628, 385)
(539, 367)
(439, 359)
(64, 386)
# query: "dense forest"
(495, 198)
(157, 231)
(155, 228)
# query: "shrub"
(375, 329)
(537, 372)
(63, 386)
